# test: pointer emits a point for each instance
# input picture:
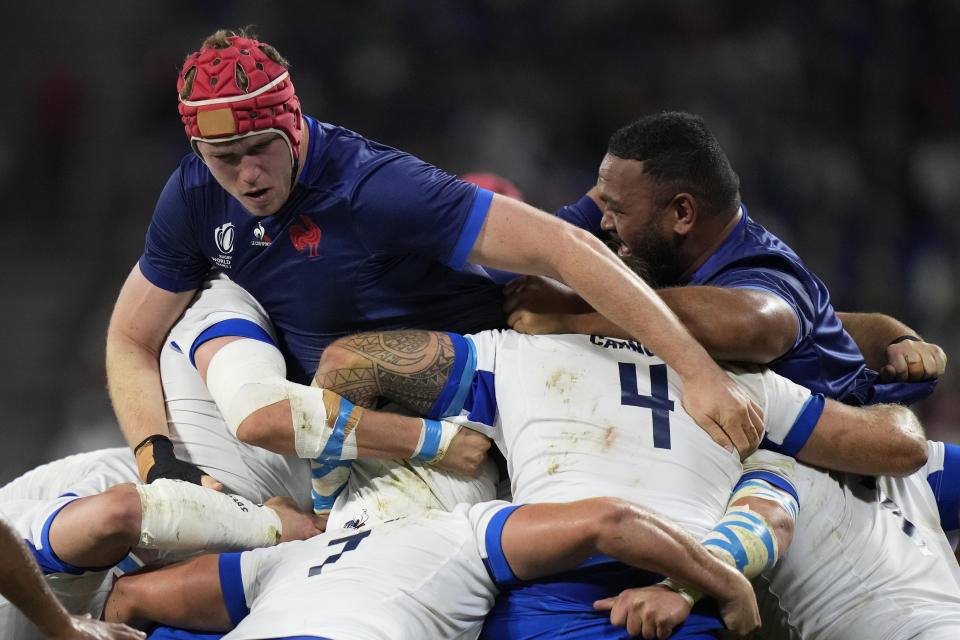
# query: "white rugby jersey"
(198, 431)
(381, 490)
(583, 416)
(412, 578)
(28, 504)
(868, 560)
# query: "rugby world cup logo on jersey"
(306, 236)
(223, 236)
(260, 237)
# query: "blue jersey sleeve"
(407, 206)
(171, 258)
(584, 214)
(946, 488)
(780, 284)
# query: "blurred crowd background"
(842, 119)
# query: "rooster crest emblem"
(306, 235)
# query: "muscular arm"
(885, 439)
(247, 379)
(908, 360)
(186, 595)
(141, 319)
(517, 237)
(737, 325)
(741, 325)
(22, 583)
(406, 367)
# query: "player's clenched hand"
(466, 453)
(541, 295)
(155, 460)
(295, 524)
(86, 628)
(648, 612)
(724, 411)
(913, 361)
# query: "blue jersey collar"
(707, 268)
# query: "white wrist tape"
(435, 439)
(246, 375)
(744, 540)
(182, 515)
(690, 594)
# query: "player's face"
(255, 170)
(639, 227)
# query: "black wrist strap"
(155, 438)
(906, 337)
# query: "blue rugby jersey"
(370, 238)
(824, 357)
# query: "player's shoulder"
(339, 158)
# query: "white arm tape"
(181, 515)
(247, 375)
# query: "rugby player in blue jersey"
(672, 202)
(333, 233)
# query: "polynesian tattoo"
(407, 367)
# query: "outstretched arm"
(892, 348)
(883, 439)
(517, 237)
(733, 324)
(22, 583)
(247, 379)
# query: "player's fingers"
(887, 373)
(664, 630)
(940, 361)
(211, 483)
(756, 419)
(899, 361)
(514, 285)
(718, 435)
(931, 367)
(644, 628)
(514, 319)
(511, 302)
(604, 605)
(740, 431)
(634, 625)
(618, 615)
(917, 370)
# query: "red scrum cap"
(234, 91)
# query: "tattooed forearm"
(407, 367)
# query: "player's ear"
(684, 211)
